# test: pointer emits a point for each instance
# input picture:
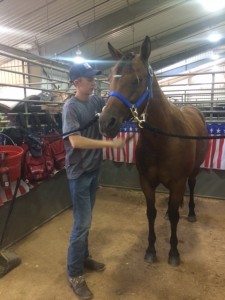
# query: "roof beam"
(168, 61)
(102, 26)
(183, 34)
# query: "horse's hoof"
(192, 219)
(150, 257)
(174, 261)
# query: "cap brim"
(92, 73)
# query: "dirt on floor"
(119, 238)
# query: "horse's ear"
(145, 49)
(116, 54)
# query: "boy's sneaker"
(80, 288)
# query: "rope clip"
(134, 112)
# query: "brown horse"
(159, 159)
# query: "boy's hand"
(119, 143)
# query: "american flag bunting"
(215, 156)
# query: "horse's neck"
(159, 108)
(157, 93)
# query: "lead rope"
(144, 125)
(60, 135)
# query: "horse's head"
(129, 88)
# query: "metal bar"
(31, 101)
(30, 88)
(32, 75)
(188, 74)
(49, 65)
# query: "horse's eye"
(137, 81)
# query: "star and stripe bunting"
(6, 194)
(215, 156)
(127, 153)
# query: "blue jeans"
(83, 193)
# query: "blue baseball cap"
(82, 70)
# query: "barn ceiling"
(57, 29)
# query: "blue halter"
(147, 94)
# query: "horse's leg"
(191, 214)
(150, 255)
(167, 212)
(174, 257)
(149, 192)
(176, 198)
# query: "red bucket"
(10, 161)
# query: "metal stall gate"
(30, 85)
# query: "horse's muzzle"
(109, 127)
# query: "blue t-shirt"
(77, 114)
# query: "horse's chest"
(163, 165)
(147, 157)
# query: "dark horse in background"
(159, 159)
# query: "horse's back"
(194, 119)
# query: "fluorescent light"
(78, 59)
(214, 37)
(4, 29)
(213, 5)
(78, 52)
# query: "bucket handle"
(8, 137)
